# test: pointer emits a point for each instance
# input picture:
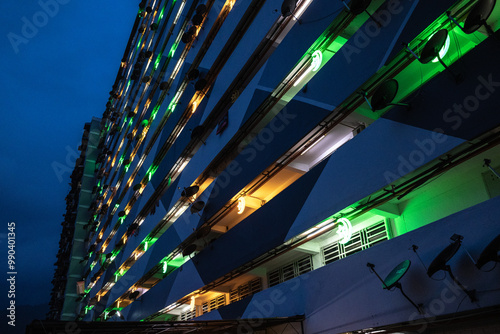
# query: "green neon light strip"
(154, 112)
(157, 62)
(160, 17)
(139, 44)
(173, 49)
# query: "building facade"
(264, 159)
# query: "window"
(213, 304)
(363, 239)
(188, 315)
(290, 271)
(245, 290)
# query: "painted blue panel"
(212, 315)
(424, 14)
(258, 97)
(391, 149)
(178, 284)
(268, 225)
(162, 247)
(235, 310)
(298, 40)
(358, 59)
(288, 127)
(463, 110)
(150, 303)
(284, 300)
(170, 193)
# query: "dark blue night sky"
(54, 78)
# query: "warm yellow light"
(192, 303)
(241, 205)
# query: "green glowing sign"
(317, 59)
(344, 230)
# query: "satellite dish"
(197, 132)
(203, 232)
(197, 19)
(136, 74)
(490, 253)
(439, 263)
(384, 94)
(133, 295)
(435, 49)
(392, 280)
(288, 7)
(396, 274)
(187, 37)
(478, 16)
(359, 6)
(197, 206)
(200, 84)
(193, 74)
(190, 191)
(189, 250)
(433, 46)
